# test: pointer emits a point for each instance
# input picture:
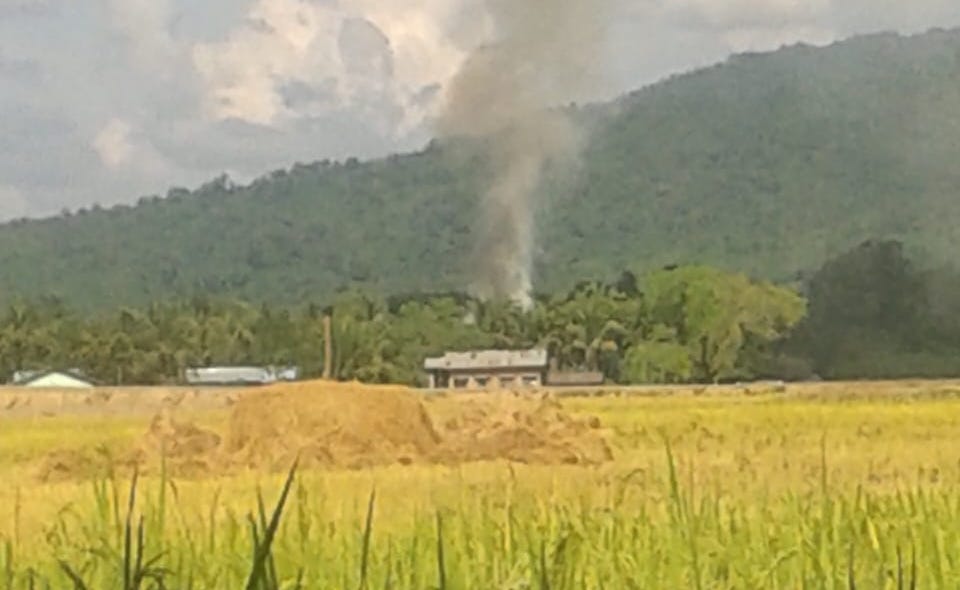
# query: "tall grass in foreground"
(493, 538)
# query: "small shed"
(239, 376)
(488, 368)
(72, 379)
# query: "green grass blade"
(441, 565)
(212, 518)
(263, 550)
(851, 577)
(544, 576)
(78, 583)
(138, 570)
(128, 534)
(367, 533)
(900, 580)
(913, 570)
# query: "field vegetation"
(812, 487)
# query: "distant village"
(471, 370)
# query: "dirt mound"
(343, 425)
(523, 429)
(355, 426)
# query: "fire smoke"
(544, 53)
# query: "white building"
(52, 380)
(239, 376)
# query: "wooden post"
(327, 346)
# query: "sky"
(105, 101)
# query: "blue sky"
(105, 101)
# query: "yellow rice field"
(812, 487)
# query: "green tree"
(715, 313)
(28, 337)
(590, 328)
(360, 338)
(657, 362)
(874, 314)
(421, 329)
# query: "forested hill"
(767, 164)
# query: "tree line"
(868, 313)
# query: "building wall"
(480, 379)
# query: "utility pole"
(327, 344)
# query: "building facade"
(487, 369)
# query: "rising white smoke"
(543, 53)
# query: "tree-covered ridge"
(766, 164)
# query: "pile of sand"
(354, 426)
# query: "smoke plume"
(544, 53)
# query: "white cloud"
(146, 24)
(429, 37)
(757, 25)
(281, 41)
(743, 39)
(284, 43)
(13, 203)
(764, 13)
(23, 5)
(113, 143)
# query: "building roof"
(488, 359)
(239, 375)
(28, 378)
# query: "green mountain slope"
(767, 164)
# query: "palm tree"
(27, 338)
(591, 327)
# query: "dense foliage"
(690, 323)
(868, 313)
(767, 164)
(874, 313)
